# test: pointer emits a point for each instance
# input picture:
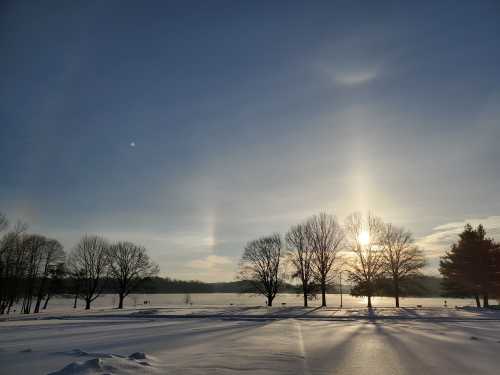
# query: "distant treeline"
(172, 286)
(416, 286)
(419, 286)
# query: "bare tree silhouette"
(34, 245)
(129, 264)
(13, 258)
(402, 259)
(367, 265)
(261, 266)
(52, 256)
(326, 237)
(4, 223)
(89, 260)
(301, 255)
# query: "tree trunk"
(323, 294)
(269, 301)
(396, 292)
(11, 303)
(486, 302)
(305, 288)
(46, 301)
(369, 302)
(121, 298)
(478, 302)
(26, 309)
(40, 295)
(75, 301)
(37, 305)
(87, 304)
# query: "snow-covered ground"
(254, 341)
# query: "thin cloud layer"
(212, 268)
(332, 108)
(210, 262)
(355, 78)
(443, 236)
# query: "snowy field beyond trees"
(253, 340)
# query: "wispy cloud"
(351, 61)
(436, 243)
(343, 74)
(355, 78)
(212, 268)
(210, 262)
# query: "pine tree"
(468, 269)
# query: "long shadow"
(294, 311)
(311, 311)
(329, 358)
(235, 310)
(179, 338)
(25, 333)
(410, 312)
(454, 358)
(149, 339)
(401, 350)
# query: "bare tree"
(4, 254)
(57, 281)
(402, 259)
(52, 256)
(13, 258)
(301, 255)
(129, 264)
(367, 265)
(4, 223)
(89, 260)
(261, 266)
(326, 237)
(34, 245)
(77, 277)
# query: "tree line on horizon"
(316, 253)
(377, 258)
(33, 268)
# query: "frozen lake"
(244, 299)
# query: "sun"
(364, 238)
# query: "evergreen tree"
(468, 269)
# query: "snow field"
(216, 345)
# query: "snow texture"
(254, 341)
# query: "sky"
(192, 127)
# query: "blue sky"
(247, 117)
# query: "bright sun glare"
(364, 238)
